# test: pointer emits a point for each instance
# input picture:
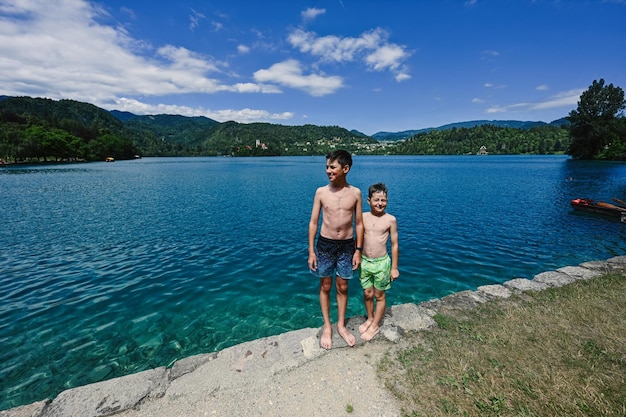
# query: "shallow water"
(114, 268)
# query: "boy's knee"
(368, 292)
(341, 286)
(326, 285)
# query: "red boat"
(599, 207)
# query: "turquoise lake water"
(113, 268)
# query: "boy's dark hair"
(378, 187)
(343, 157)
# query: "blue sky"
(367, 65)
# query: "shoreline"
(237, 378)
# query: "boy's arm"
(395, 248)
(313, 225)
(358, 222)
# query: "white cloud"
(542, 87)
(403, 76)
(183, 59)
(241, 115)
(566, 99)
(194, 19)
(289, 74)
(491, 53)
(385, 57)
(59, 49)
(372, 48)
(311, 13)
(255, 88)
(243, 49)
(491, 85)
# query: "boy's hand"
(312, 262)
(356, 260)
(395, 274)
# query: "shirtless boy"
(377, 268)
(338, 251)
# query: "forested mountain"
(33, 129)
(488, 139)
(178, 135)
(44, 129)
(391, 136)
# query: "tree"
(595, 123)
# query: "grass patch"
(558, 352)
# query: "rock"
(463, 300)
(30, 410)
(601, 266)
(523, 284)
(617, 264)
(580, 272)
(190, 364)
(108, 397)
(554, 278)
(494, 291)
(409, 317)
(392, 333)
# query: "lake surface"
(113, 268)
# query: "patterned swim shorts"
(376, 272)
(334, 256)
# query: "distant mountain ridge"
(101, 131)
(516, 124)
(205, 122)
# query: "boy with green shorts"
(378, 269)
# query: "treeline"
(46, 130)
(33, 129)
(491, 139)
(168, 135)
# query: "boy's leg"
(381, 304)
(327, 333)
(368, 301)
(342, 305)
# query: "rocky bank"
(287, 374)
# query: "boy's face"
(334, 170)
(377, 202)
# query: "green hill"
(394, 136)
(36, 129)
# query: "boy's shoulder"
(329, 187)
(352, 188)
(387, 217)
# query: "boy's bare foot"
(326, 342)
(363, 327)
(370, 333)
(347, 336)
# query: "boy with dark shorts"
(378, 270)
(338, 251)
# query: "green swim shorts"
(376, 272)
